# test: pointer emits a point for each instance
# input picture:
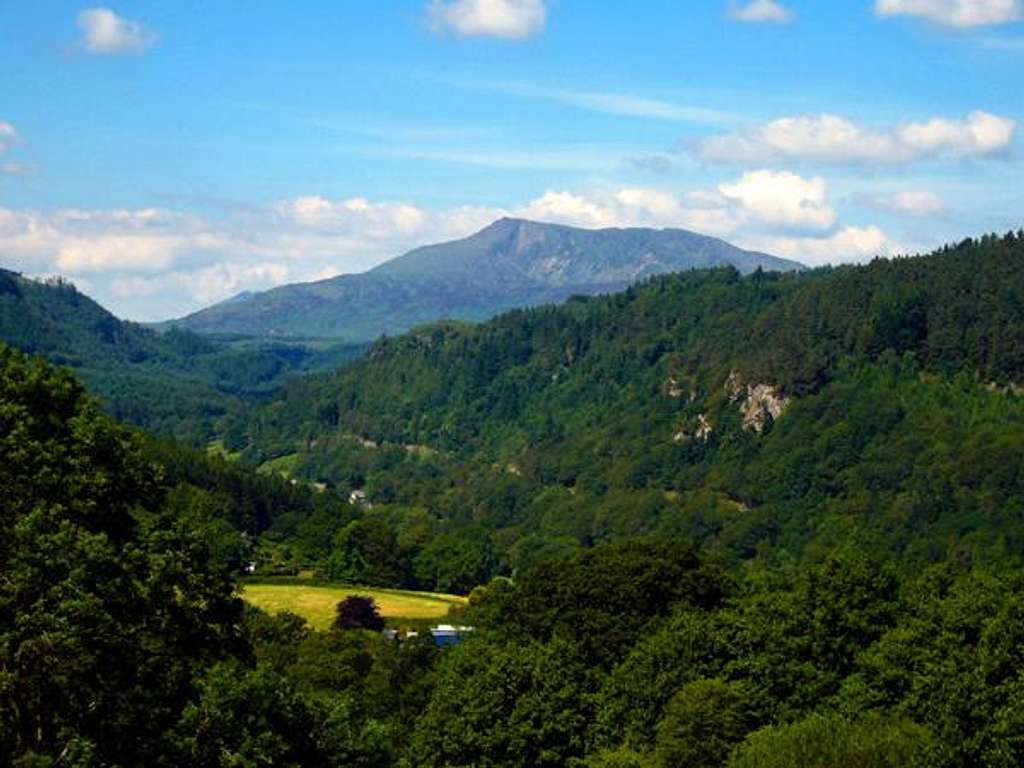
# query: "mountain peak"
(512, 262)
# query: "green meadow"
(317, 602)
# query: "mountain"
(769, 415)
(176, 383)
(511, 263)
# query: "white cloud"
(106, 33)
(105, 253)
(760, 11)
(509, 19)
(848, 244)
(567, 208)
(955, 13)
(782, 199)
(835, 139)
(915, 203)
(356, 213)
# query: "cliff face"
(759, 402)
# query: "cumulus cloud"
(106, 33)
(508, 19)
(955, 13)
(783, 199)
(836, 139)
(760, 11)
(848, 244)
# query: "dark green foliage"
(366, 552)
(702, 724)
(505, 705)
(602, 598)
(454, 563)
(796, 639)
(876, 741)
(358, 612)
(633, 697)
(251, 502)
(108, 603)
(248, 717)
(176, 384)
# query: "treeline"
(551, 429)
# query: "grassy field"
(317, 603)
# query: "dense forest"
(773, 416)
(122, 642)
(177, 384)
(714, 520)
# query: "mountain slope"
(512, 263)
(176, 383)
(767, 413)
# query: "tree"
(876, 741)
(358, 612)
(601, 598)
(251, 717)
(505, 705)
(108, 605)
(366, 552)
(702, 723)
(454, 564)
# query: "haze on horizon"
(167, 156)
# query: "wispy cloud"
(583, 158)
(615, 103)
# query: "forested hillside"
(770, 415)
(122, 643)
(176, 383)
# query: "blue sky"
(167, 155)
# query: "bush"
(358, 612)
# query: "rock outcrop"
(759, 402)
(702, 433)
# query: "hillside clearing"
(317, 603)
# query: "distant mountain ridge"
(511, 263)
